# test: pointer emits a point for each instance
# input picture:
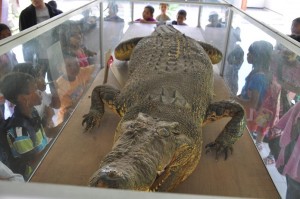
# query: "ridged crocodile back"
(172, 62)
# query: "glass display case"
(72, 53)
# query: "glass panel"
(260, 72)
(263, 74)
(43, 80)
(116, 18)
(191, 18)
(214, 24)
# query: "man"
(37, 12)
(35, 50)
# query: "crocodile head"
(145, 147)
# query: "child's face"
(147, 14)
(163, 8)
(249, 58)
(34, 97)
(213, 18)
(180, 19)
(295, 29)
(75, 40)
(41, 84)
(72, 68)
(5, 33)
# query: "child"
(255, 90)
(181, 17)
(112, 13)
(24, 131)
(71, 41)
(234, 62)
(214, 20)
(147, 15)
(71, 85)
(295, 28)
(7, 62)
(49, 101)
(163, 17)
(288, 161)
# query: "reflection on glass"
(215, 28)
(270, 98)
(65, 59)
(114, 24)
(233, 61)
(71, 85)
(255, 89)
(113, 10)
(25, 137)
(38, 94)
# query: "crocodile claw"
(219, 148)
(92, 119)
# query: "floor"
(278, 179)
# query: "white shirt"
(42, 14)
(7, 174)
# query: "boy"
(295, 28)
(49, 101)
(181, 17)
(24, 132)
(163, 17)
(71, 85)
(147, 15)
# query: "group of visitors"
(27, 110)
(269, 97)
(162, 18)
(29, 113)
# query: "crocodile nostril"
(112, 174)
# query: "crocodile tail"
(123, 50)
(214, 54)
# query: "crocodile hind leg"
(233, 129)
(183, 164)
(100, 95)
(124, 50)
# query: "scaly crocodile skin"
(164, 104)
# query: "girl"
(71, 85)
(255, 88)
(163, 17)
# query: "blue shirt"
(255, 82)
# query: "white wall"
(288, 8)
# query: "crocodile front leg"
(233, 130)
(100, 95)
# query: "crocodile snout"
(107, 178)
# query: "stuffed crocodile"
(164, 104)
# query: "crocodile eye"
(163, 132)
